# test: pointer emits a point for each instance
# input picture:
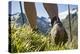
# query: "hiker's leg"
(31, 13)
(52, 9)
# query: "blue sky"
(40, 9)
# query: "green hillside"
(24, 40)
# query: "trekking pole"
(21, 12)
(70, 22)
(10, 10)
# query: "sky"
(40, 9)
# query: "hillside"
(74, 27)
(23, 39)
(18, 21)
(74, 23)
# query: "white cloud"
(63, 15)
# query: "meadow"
(23, 39)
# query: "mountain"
(18, 19)
(74, 23)
(63, 15)
(43, 23)
(74, 27)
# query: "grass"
(23, 39)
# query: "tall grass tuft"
(23, 39)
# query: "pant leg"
(52, 9)
(30, 11)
